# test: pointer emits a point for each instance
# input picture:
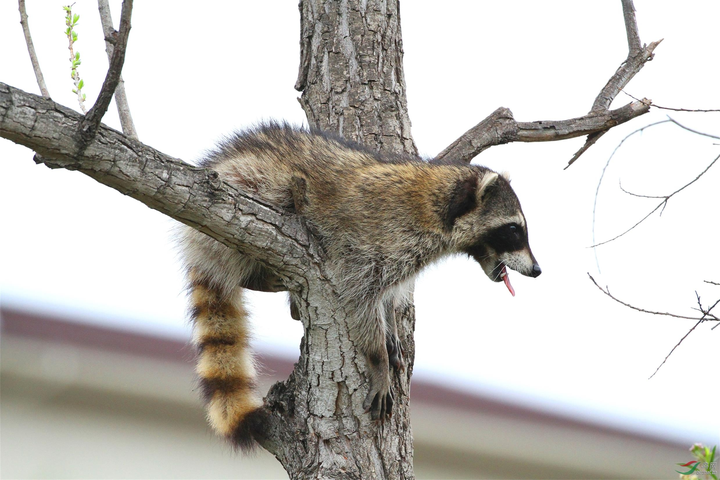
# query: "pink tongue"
(506, 279)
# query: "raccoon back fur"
(380, 219)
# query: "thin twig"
(662, 204)
(606, 291)
(121, 101)
(71, 21)
(691, 130)
(673, 349)
(602, 176)
(653, 104)
(705, 313)
(92, 120)
(31, 50)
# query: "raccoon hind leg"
(370, 333)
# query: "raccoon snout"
(536, 270)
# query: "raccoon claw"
(379, 404)
(395, 354)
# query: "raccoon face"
(491, 228)
(503, 247)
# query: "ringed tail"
(225, 365)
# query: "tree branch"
(704, 318)
(692, 110)
(91, 122)
(500, 127)
(31, 50)
(662, 204)
(126, 121)
(191, 195)
(636, 59)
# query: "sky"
(195, 73)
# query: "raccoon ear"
(463, 198)
(488, 179)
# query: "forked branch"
(91, 122)
(126, 121)
(663, 198)
(706, 316)
(500, 127)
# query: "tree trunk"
(352, 81)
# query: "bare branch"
(690, 129)
(663, 203)
(31, 50)
(704, 318)
(631, 29)
(653, 104)
(673, 349)
(191, 195)
(591, 139)
(500, 127)
(91, 122)
(121, 101)
(636, 59)
(606, 291)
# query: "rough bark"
(351, 72)
(317, 427)
(352, 80)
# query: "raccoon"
(379, 218)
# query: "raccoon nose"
(536, 271)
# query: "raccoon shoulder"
(263, 160)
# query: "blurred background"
(96, 370)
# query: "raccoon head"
(488, 224)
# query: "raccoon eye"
(514, 230)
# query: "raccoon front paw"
(395, 353)
(379, 400)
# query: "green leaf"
(81, 84)
(77, 56)
(76, 17)
(74, 36)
